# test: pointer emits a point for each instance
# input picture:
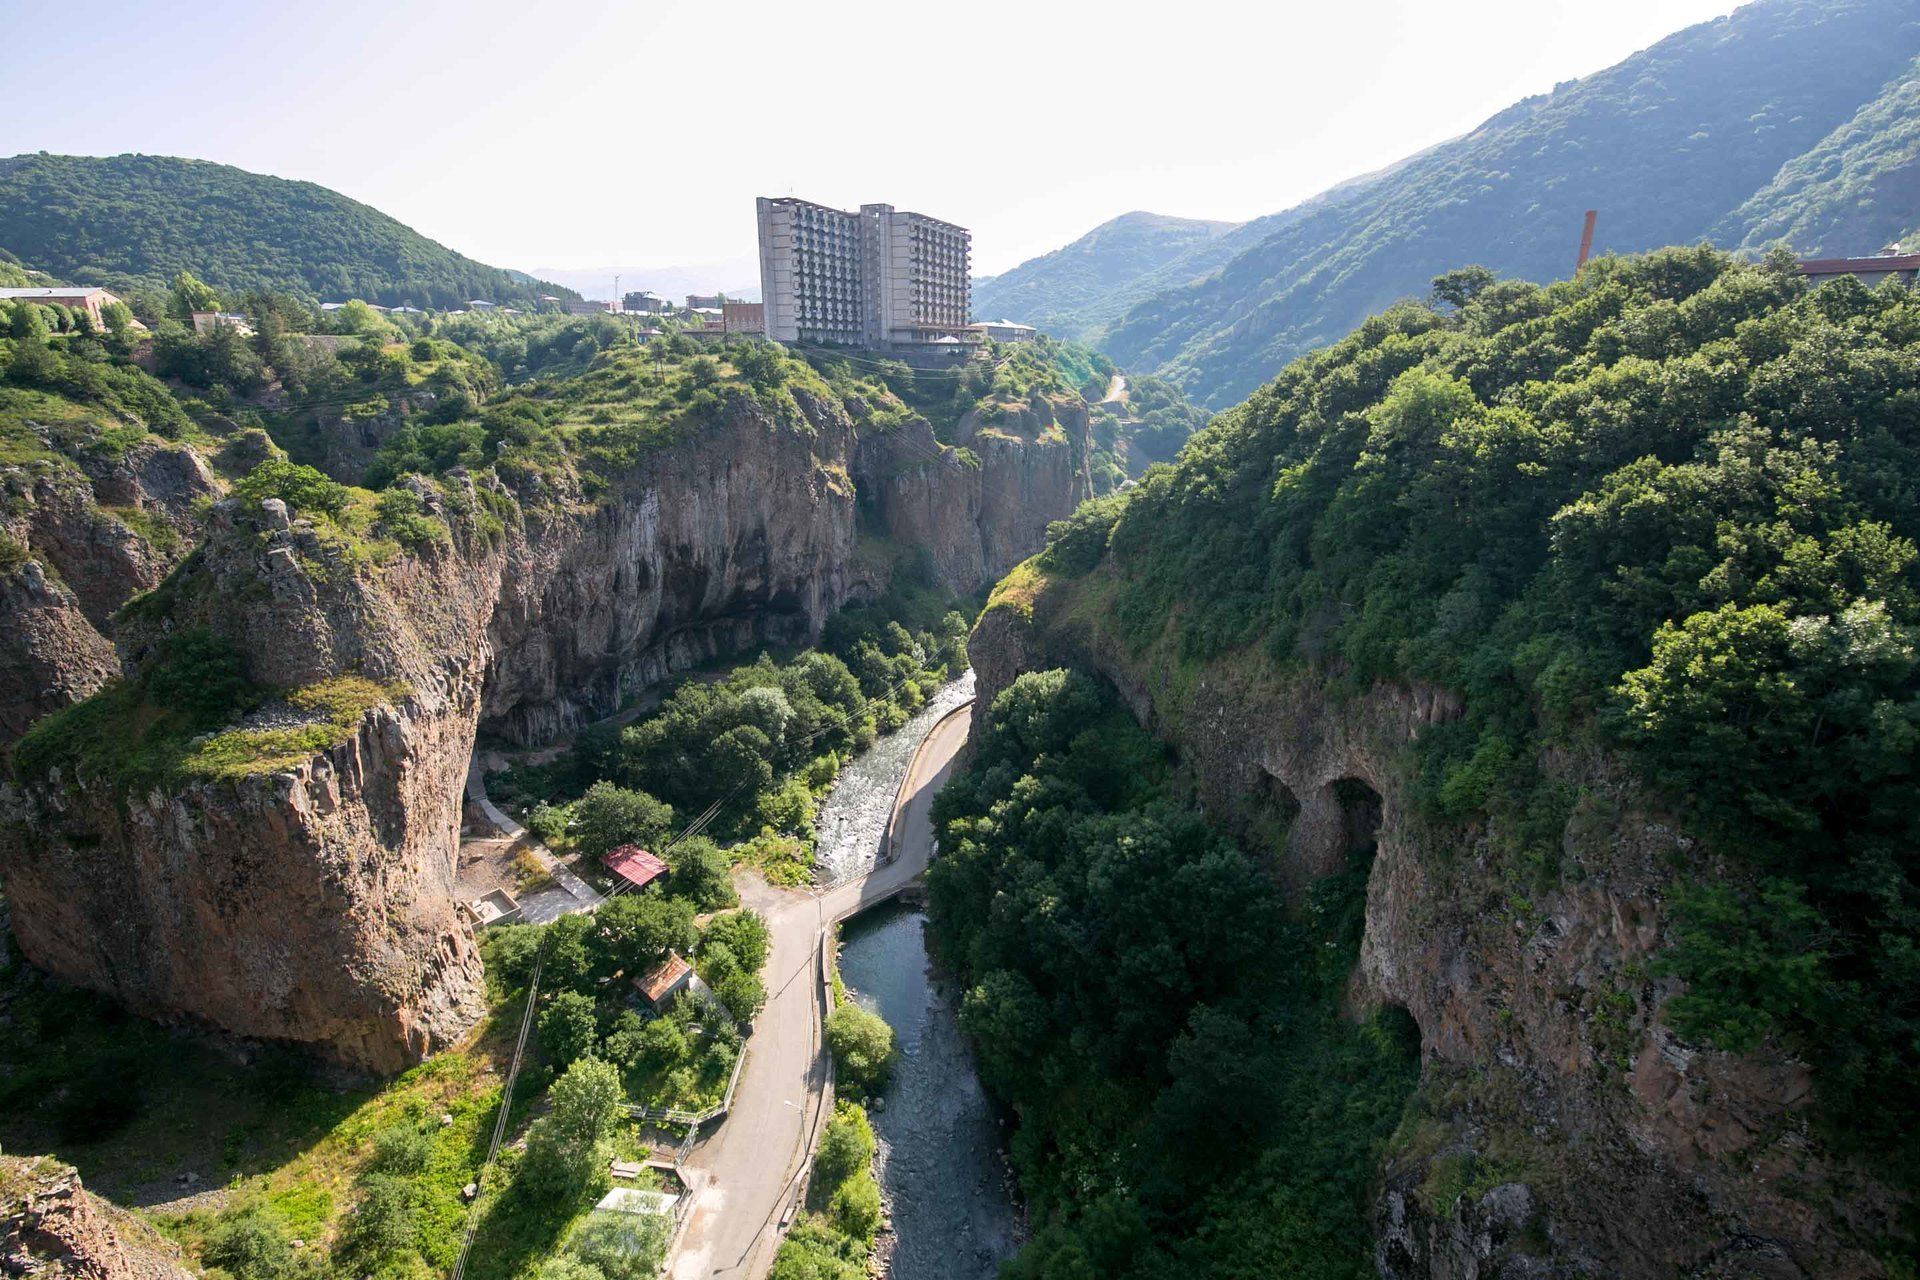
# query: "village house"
(93, 301)
(667, 980)
(633, 866)
(205, 322)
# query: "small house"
(633, 866)
(671, 977)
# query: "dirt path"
(752, 1161)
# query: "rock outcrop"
(980, 506)
(52, 1228)
(90, 528)
(1565, 1130)
(311, 899)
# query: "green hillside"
(1665, 511)
(1788, 118)
(1074, 291)
(133, 221)
(1859, 188)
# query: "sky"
(635, 136)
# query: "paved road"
(752, 1161)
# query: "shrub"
(862, 1047)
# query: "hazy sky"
(534, 134)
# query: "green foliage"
(608, 816)
(1190, 1100)
(621, 1246)
(302, 488)
(568, 1148)
(233, 229)
(1665, 508)
(253, 1244)
(701, 873)
(862, 1047)
(833, 1242)
(568, 1031)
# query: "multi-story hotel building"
(878, 278)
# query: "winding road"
(747, 1170)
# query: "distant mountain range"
(1792, 121)
(736, 277)
(1093, 281)
(133, 221)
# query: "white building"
(879, 278)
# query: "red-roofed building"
(634, 866)
(672, 976)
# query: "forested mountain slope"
(1074, 290)
(1859, 186)
(1580, 621)
(132, 221)
(1744, 128)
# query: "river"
(938, 1162)
(853, 818)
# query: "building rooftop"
(53, 291)
(656, 984)
(1871, 263)
(631, 863)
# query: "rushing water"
(938, 1161)
(851, 821)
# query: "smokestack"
(1586, 241)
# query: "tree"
(251, 1244)
(567, 1029)
(862, 1047)
(190, 294)
(635, 931)
(702, 874)
(608, 816)
(621, 1246)
(568, 1148)
(1460, 286)
(846, 1148)
(743, 933)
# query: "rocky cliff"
(85, 524)
(979, 506)
(290, 876)
(1561, 1127)
(51, 1228)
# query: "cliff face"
(51, 1228)
(94, 526)
(1589, 1140)
(981, 507)
(310, 898)
(741, 537)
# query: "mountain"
(738, 278)
(1858, 188)
(1075, 291)
(133, 221)
(1788, 119)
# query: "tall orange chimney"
(1586, 241)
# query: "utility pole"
(1586, 241)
